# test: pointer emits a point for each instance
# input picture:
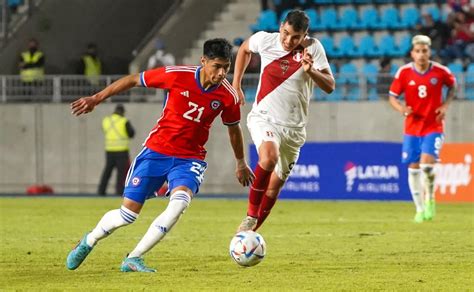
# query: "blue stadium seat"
(434, 12)
(352, 92)
(389, 18)
(336, 95)
(347, 47)
(410, 16)
(372, 94)
(333, 68)
(470, 74)
(348, 74)
(404, 45)
(367, 47)
(457, 69)
(469, 93)
(370, 71)
(328, 45)
(369, 19)
(329, 18)
(267, 20)
(313, 19)
(250, 93)
(393, 69)
(323, 1)
(350, 19)
(387, 46)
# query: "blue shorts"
(413, 146)
(151, 169)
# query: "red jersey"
(423, 93)
(183, 128)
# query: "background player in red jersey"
(292, 63)
(174, 150)
(422, 82)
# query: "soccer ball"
(247, 248)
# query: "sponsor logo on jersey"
(412, 83)
(297, 55)
(284, 65)
(215, 104)
(434, 80)
(185, 93)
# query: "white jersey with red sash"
(284, 89)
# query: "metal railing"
(66, 88)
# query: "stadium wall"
(44, 143)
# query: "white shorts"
(289, 141)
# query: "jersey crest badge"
(434, 80)
(412, 83)
(215, 104)
(284, 65)
(297, 55)
(185, 93)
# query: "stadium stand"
(354, 33)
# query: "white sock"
(414, 182)
(109, 222)
(428, 180)
(179, 201)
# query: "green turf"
(311, 246)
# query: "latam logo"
(378, 175)
(305, 171)
(450, 176)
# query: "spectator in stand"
(90, 64)
(438, 31)
(160, 58)
(462, 38)
(31, 65)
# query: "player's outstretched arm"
(241, 62)
(87, 104)
(243, 172)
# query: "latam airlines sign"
(373, 171)
(358, 171)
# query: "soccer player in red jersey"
(174, 149)
(424, 110)
(292, 63)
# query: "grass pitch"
(311, 246)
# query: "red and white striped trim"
(438, 65)
(409, 65)
(231, 89)
(181, 69)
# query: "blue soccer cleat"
(78, 254)
(135, 264)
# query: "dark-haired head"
(298, 19)
(217, 48)
(216, 59)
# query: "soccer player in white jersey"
(292, 63)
